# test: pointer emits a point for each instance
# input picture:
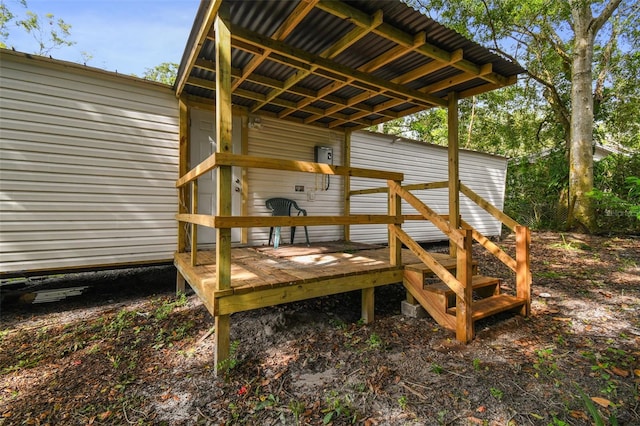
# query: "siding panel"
(423, 163)
(89, 161)
(286, 140)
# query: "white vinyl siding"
(281, 139)
(88, 165)
(422, 163)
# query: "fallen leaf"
(561, 319)
(580, 415)
(637, 372)
(603, 402)
(475, 420)
(481, 409)
(105, 415)
(620, 372)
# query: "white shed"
(89, 160)
(424, 163)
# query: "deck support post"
(368, 304)
(464, 312)
(523, 268)
(183, 168)
(454, 166)
(346, 154)
(224, 177)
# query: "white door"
(203, 144)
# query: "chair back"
(281, 206)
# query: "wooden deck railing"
(462, 238)
(226, 222)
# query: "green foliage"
(48, 31)
(535, 188)
(165, 73)
(617, 193)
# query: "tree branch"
(606, 13)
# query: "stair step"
(477, 282)
(492, 305)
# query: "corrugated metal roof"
(339, 66)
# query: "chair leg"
(270, 235)
(293, 233)
(306, 234)
(276, 239)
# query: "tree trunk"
(581, 138)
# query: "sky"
(127, 36)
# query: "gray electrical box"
(324, 154)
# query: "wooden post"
(395, 245)
(194, 227)
(244, 150)
(464, 274)
(224, 176)
(347, 182)
(454, 166)
(523, 267)
(183, 168)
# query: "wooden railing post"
(395, 202)
(523, 267)
(194, 227)
(464, 274)
(223, 176)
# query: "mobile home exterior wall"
(422, 163)
(319, 196)
(89, 161)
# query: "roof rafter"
(390, 32)
(334, 50)
(299, 13)
(362, 79)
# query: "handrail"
(270, 221)
(490, 208)
(444, 226)
(492, 247)
(412, 187)
(227, 159)
(443, 273)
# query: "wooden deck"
(263, 276)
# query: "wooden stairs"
(440, 301)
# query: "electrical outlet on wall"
(311, 195)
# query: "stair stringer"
(434, 304)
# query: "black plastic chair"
(282, 207)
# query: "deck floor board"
(256, 268)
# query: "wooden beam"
(270, 221)
(183, 168)
(454, 166)
(194, 227)
(203, 31)
(295, 17)
(455, 80)
(464, 275)
(276, 296)
(346, 190)
(345, 11)
(303, 166)
(335, 49)
(488, 207)
(223, 176)
(333, 67)
(445, 227)
(395, 210)
(523, 271)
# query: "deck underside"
(263, 276)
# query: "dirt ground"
(136, 355)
